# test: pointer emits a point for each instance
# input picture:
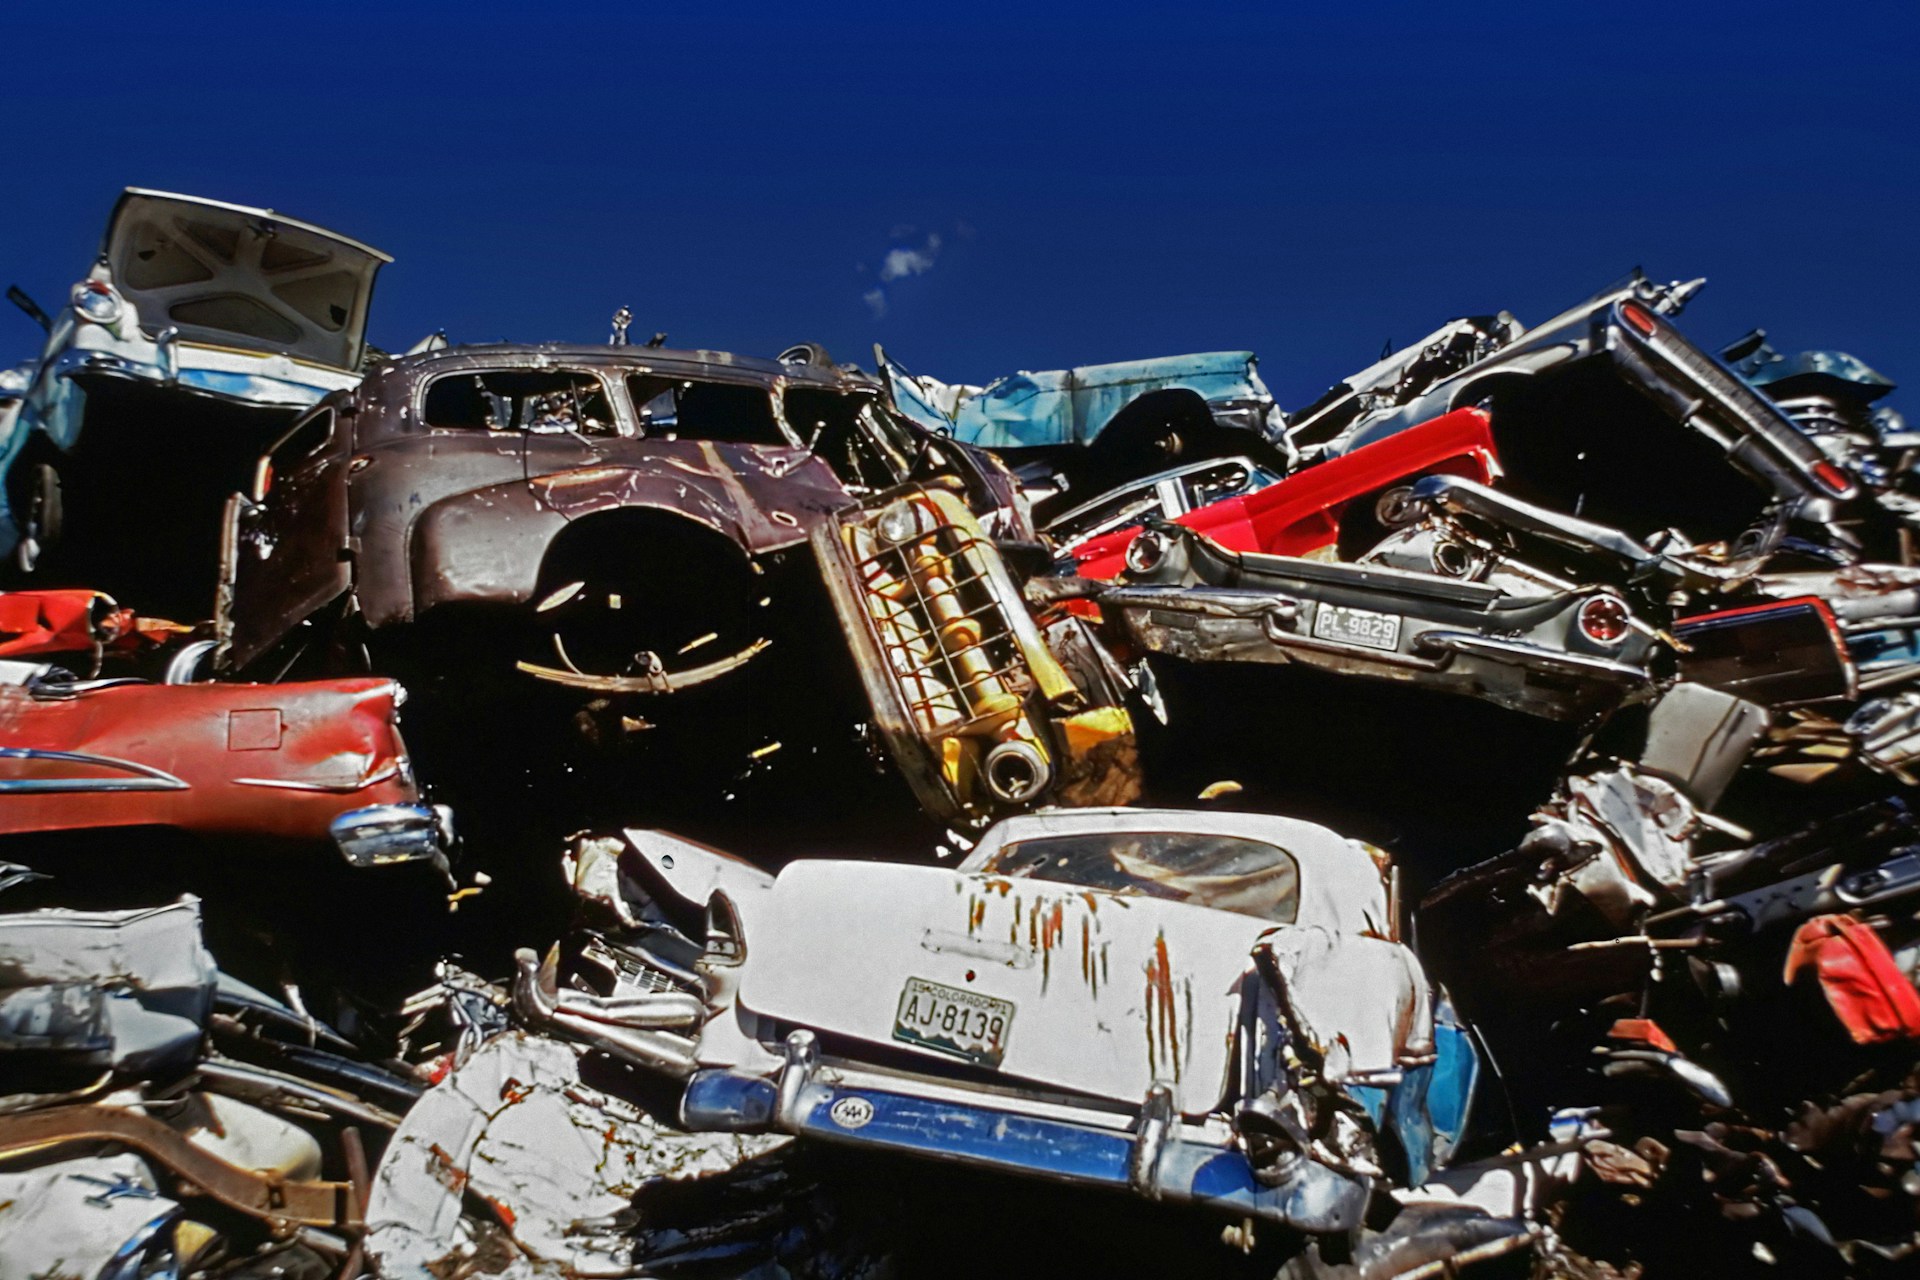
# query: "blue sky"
(1104, 182)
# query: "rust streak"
(1163, 1032)
(450, 1174)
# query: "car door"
(286, 544)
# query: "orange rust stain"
(1093, 903)
(1086, 951)
(976, 916)
(451, 1175)
(1163, 1030)
(1054, 927)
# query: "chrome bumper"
(1159, 1158)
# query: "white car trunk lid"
(1092, 992)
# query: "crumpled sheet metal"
(558, 1161)
(1069, 406)
(1886, 733)
(156, 979)
(85, 1217)
(1640, 831)
(278, 761)
(36, 623)
(1364, 1003)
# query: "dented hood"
(235, 276)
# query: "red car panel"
(277, 761)
(1302, 513)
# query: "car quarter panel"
(213, 759)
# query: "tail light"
(1639, 317)
(1832, 479)
(1604, 619)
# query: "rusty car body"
(1206, 1009)
(446, 478)
(641, 522)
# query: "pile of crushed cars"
(1469, 817)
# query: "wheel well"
(1145, 416)
(638, 531)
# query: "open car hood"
(234, 276)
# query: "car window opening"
(540, 402)
(723, 412)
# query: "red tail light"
(1639, 317)
(1604, 619)
(1832, 479)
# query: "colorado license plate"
(965, 1024)
(1357, 626)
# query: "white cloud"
(901, 263)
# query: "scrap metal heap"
(1463, 824)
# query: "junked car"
(304, 763)
(200, 331)
(1584, 411)
(1557, 650)
(1204, 1009)
(636, 522)
(1098, 424)
(1165, 495)
(1335, 510)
